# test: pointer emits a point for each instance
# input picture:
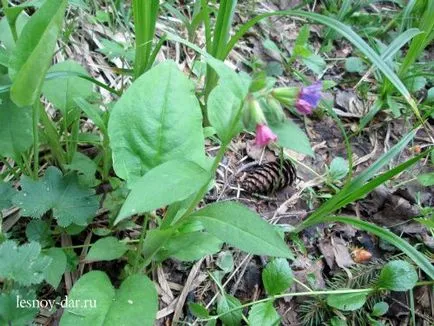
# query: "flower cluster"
(304, 99)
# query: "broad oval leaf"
(15, 127)
(31, 57)
(62, 91)
(222, 110)
(263, 314)
(225, 304)
(397, 275)
(57, 267)
(108, 248)
(165, 184)
(190, 246)
(277, 276)
(156, 120)
(242, 228)
(134, 303)
(347, 301)
(290, 136)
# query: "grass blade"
(419, 258)
(346, 32)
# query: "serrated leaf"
(426, 179)
(290, 136)
(165, 184)
(263, 314)
(347, 301)
(23, 264)
(6, 194)
(15, 127)
(339, 168)
(31, 57)
(86, 168)
(133, 304)
(10, 314)
(57, 267)
(198, 310)
(70, 201)
(355, 64)
(242, 228)
(397, 275)
(39, 231)
(61, 92)
(158, 119)
(226, 303)
(277, 276)
(108, 248)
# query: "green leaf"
(263, 314)
(54, 272)
(23, 264)
(6, 194)
(315, 63)
(108, 248)
(62, 92)
(426, 179)
(165, 184)
(190, 246)
(31, 57)
(277, 276)
(336, 321)
(347, 301)
(290, 136)
(158, 119)
(86, 169)
(242, 228)
(15, 127)
(198, 310)
(397, 275)
(155, 239)
(10, 314)
(379, 309)
(70, 201)
(134, 303)
(222, 110)
(226, 303)
(355, 64)
(338, 168)
(39, 231)
(5, 32)
(225, 261)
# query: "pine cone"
(269, 177)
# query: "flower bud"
(252, 114)
(286, 95)
(273, 110)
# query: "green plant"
(153, 139)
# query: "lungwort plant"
(151, 150)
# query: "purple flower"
(264, 135)
(308, 98)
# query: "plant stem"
(35, 117)
(140, 245)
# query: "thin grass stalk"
(145, 19)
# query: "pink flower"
(309, 98)
(264, 135)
